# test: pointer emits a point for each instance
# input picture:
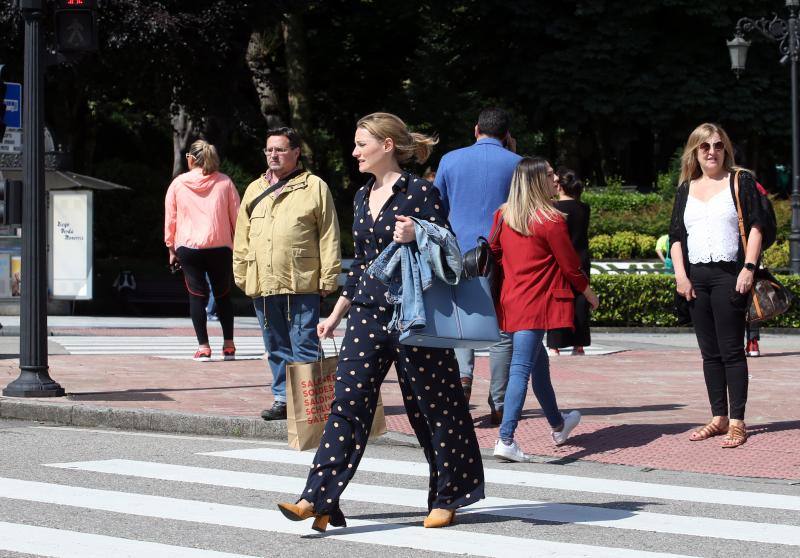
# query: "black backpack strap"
(277, 186)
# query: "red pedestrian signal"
(76, 25)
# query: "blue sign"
(13, 101)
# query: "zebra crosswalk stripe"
(60, 543)
(544, 480)
(597, 516)
(361, 531)
(184, 346)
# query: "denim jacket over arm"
(434, 254)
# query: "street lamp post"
(34, 379)
(786, 32)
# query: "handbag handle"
(739, 210)
(738, 202)
(321, 351)
(496, 231)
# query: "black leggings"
(718, 317)
(218, 264)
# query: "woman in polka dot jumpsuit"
(429, 381)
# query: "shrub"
(618, 201)
(600, 247)
(645, 246)
(624, 244)
(777, 255)
(648, 301)
(652, 220)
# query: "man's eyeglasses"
(276, 150)
(705, 147)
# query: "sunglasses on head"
(706, 147)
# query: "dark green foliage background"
(648, 300)
(609, 87)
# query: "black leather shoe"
(495, 414)
(277, 412)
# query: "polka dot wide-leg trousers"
(435, 404)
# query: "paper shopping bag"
(309, 395)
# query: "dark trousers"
(718, 317)
(434, 402)
(218, 264)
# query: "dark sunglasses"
(706, 147)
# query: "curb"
(149, 420)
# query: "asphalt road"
(117, 493)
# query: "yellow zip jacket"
(289, 244)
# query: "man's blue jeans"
(290, 334)
(529, 360)
(499, 362)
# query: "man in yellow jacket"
(286, 254)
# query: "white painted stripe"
(185, 437)
(505, 507)
(57, 543)
(452, 541)
(161, 345)
(545, 480)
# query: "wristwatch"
(750, 266)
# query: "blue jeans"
(499, 364)
(290, 333)
(528, 361)
(466, 362)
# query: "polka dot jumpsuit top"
(428, 377)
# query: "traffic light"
(2, 103)
(10, 202)
(76, 25)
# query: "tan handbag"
(768, 297)
(309, 395)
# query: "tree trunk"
(182, 132)
(297, 89)
(258, 50)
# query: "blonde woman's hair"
(530, 197)
(690, 168)
(205, 156)
(408, 146)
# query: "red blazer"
(539, 273)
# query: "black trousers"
(218, 264)
(434, 402)
(718, 317)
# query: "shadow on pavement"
(145, 394)
(482, 421)
(788, 353)
(622, 436)
(770, 427)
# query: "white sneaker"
(571, 420)
(510, 453)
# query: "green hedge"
(648, 300)
(623, 245)
(619, 201)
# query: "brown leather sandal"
(737, 435)
(708, 431)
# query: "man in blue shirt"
(474, 181)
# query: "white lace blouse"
(712, 228)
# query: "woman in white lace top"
(713, 272)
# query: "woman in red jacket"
(540, 271)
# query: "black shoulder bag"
(479, 262)
(277, 186)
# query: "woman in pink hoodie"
(200, 218)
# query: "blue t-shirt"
(474, 181)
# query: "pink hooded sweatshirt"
(200, 211)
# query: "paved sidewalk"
(638, 404)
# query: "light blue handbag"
(457, 316)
